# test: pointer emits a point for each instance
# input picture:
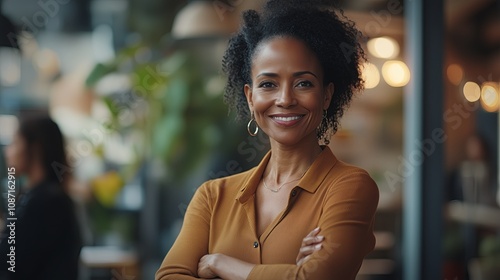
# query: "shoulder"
(216, 191)
(46, 208)
(352, 189)
(343, 171)
(50, 195)
(334, 174)
(351, 180)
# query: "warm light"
(472, 92)
(455, 74)
(383, 47)
(396, 73)
(489, 97)
(371, 75)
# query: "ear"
(248, 94)
(328, 95)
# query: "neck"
(288, 163)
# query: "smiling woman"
(301, 213)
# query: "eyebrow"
(296, 74)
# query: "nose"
(286, 98)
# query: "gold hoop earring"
(254, 133)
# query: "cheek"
(261, 103)
(314, 103)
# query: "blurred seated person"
(473, 181)
(47, 237)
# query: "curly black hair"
(330, 35)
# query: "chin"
(292, 139)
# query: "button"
(294, 192)
(256, 244)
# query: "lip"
(286, 120)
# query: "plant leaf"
(99, 71)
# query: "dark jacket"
(47, 236)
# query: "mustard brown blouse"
(339, 198)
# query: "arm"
(347, 227)
(220, 265)
(213, 265)
(181, 262)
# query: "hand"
(221, 266)
(205, 266)
(310, 244)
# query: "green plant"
(172, 102)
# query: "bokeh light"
(472, 91)
(371, 75)
(396, 73)
(383, 47)
(455, 74)
(489, 97)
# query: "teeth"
(287, 119)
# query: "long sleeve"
(181, 262)
(346, 223)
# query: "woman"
(47, 238)
(301, 213)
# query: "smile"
(289, 120)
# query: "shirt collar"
(312, 179)
(252, 181)
(318, 171)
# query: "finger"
(307, 241)
(307, 250)
(203, 258)
(303, 260)
(313, 232)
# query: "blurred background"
(136, 88)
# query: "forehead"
(284, 54)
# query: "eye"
(304, 84)
(266, 85)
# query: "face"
(287, 95)
(16, 155)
